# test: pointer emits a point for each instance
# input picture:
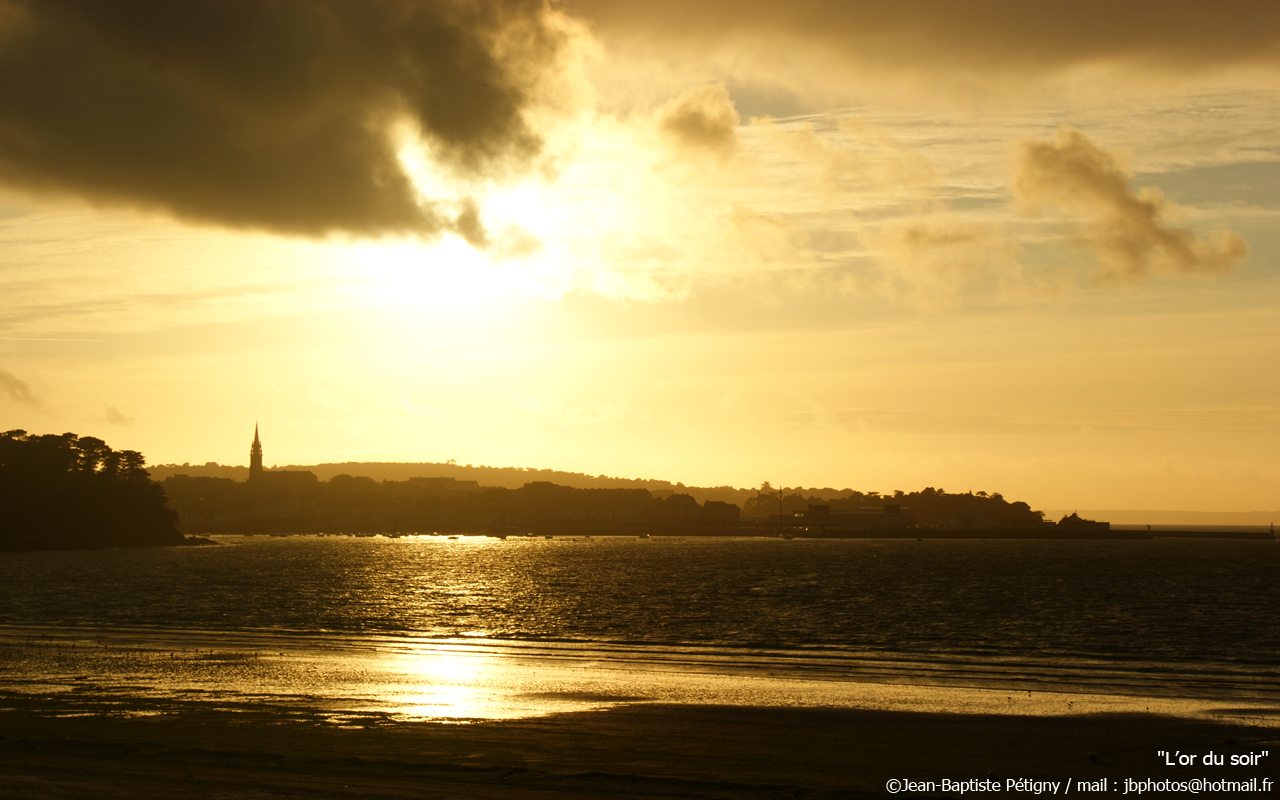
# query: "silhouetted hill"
(929, 507)
(66, 492)
(398, 498)
(498, 477)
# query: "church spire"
(255, 456)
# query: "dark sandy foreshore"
(629, 751)
(134, 721)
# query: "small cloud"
(1127, 229)
(515, 241)
(531, 404)
(936, 258)
(114, 417)
(408, 403)
(702, 118)
(572, 415)
(640, 286)
(17, 390)
(326, 399)
(470, 227)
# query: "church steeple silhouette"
(255, 456)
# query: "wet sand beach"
(629, 751)
(137, 721)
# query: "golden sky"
(1021, 247)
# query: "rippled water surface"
(1203, 610)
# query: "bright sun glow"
(521, 258)
(443, 685)
(447, 274)
(525, 206)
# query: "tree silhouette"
(65, 492)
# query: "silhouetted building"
(1074, 522)
(822, 518)
(289, 479)
(255, 456)
(444, 486)
(718, 512)
(279, 479)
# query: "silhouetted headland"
(297, 501)
(68, 492)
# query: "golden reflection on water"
(448, 685)
(128, 674)
(445, 686)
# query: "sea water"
(1175, 618)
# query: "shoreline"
(385, 654)
(645, 750)
(126, 719)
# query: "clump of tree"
(68, 492)
(927, 508)
(932, 507)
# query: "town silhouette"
(296, 501)
(70, 492)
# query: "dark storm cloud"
(983, 35)
(271, 115)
